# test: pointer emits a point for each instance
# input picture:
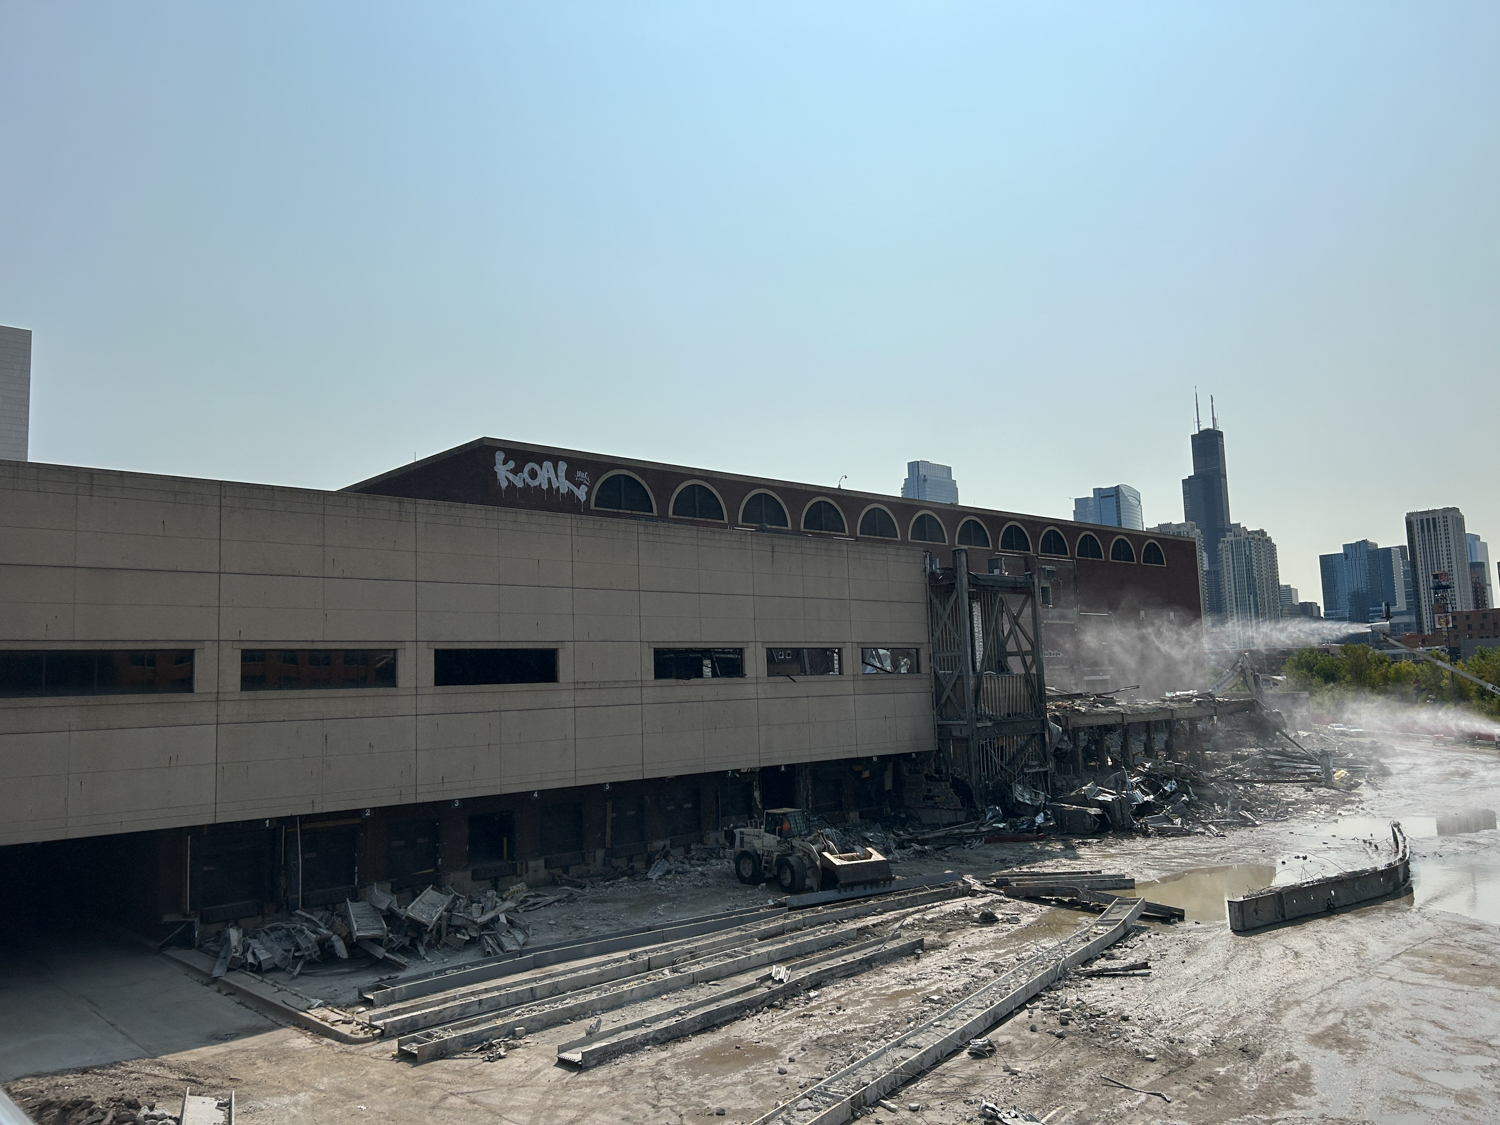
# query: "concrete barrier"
(1273, 905)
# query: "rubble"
(379, 926)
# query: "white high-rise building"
(1251, 573)
(1190, 530)
(15, 393)
(1439, 551)
(927, 480)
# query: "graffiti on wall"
(543, 475)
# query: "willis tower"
(1205, 500)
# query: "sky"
(304, 243)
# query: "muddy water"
(1461, 884)
(1201, 891)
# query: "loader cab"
(787, 824)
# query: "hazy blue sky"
(300, 243)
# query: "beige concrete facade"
(91, 559)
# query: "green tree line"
(1359, 669)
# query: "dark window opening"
(827, 791)
(897, 661)
(1088, 547)
(627, 821)
(562, 829)
(1053, 543)
(699, 663)
(492, 837)
(268, 669)
(623, 493)
(804, 662)
(697, 502)
(125, 672)
(463, 667)
(971, 533)
(681, 813)
(1014, 538)
(1151, 555)
(823, 516)
(878, 524)
(411, 849)
(1121, 551)
(736, 799)
(926, 529)
(764, 510)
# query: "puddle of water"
(1416, 827)
(1201, 891)
(1470, 887)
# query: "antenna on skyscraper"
(1213, 415)
(1197, 412)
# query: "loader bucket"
(851, 869)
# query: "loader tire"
(791, 874)
(747, 868)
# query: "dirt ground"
(1388, 1013)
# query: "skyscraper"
(1479, 572)
(926, 480)
(1251, 577)
(15, 393)
(1119, 505)
(1361, 581)
(1439, 551)
(1205, 502)
(1190, 530)
(1335, 586)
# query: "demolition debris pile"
(384, 930)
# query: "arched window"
(971, 533)
(623, 493)
(1053, 543)
(1088, 547)
(1121, 550)
(1151, 554)
(764, 510)
(697, 502)
(878, 524)
(1014, 538)
(823, 516)
(926, 529)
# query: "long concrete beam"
(839, 1098)
(1273, 905)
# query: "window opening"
(104, 672)
(878, 524)
(275, 669)
(896, 661)
(1121, 551)
(926, 529)
(623, 493)
(764, 510)
(804, 662)
(467, 667)
(1053, 543)
(1088, 547)
(699, 663)
(1151, 555)
(697, 502)
(823, 516)
(971, 533)
(1014, 538)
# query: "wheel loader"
(785, 851)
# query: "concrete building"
(15, 393)
(926, 480)
(1119, 505)
(1479, 572)
(1437, 545)
(1205, 502)
(1252, 578)
(225, 698)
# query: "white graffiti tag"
(543, 476)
